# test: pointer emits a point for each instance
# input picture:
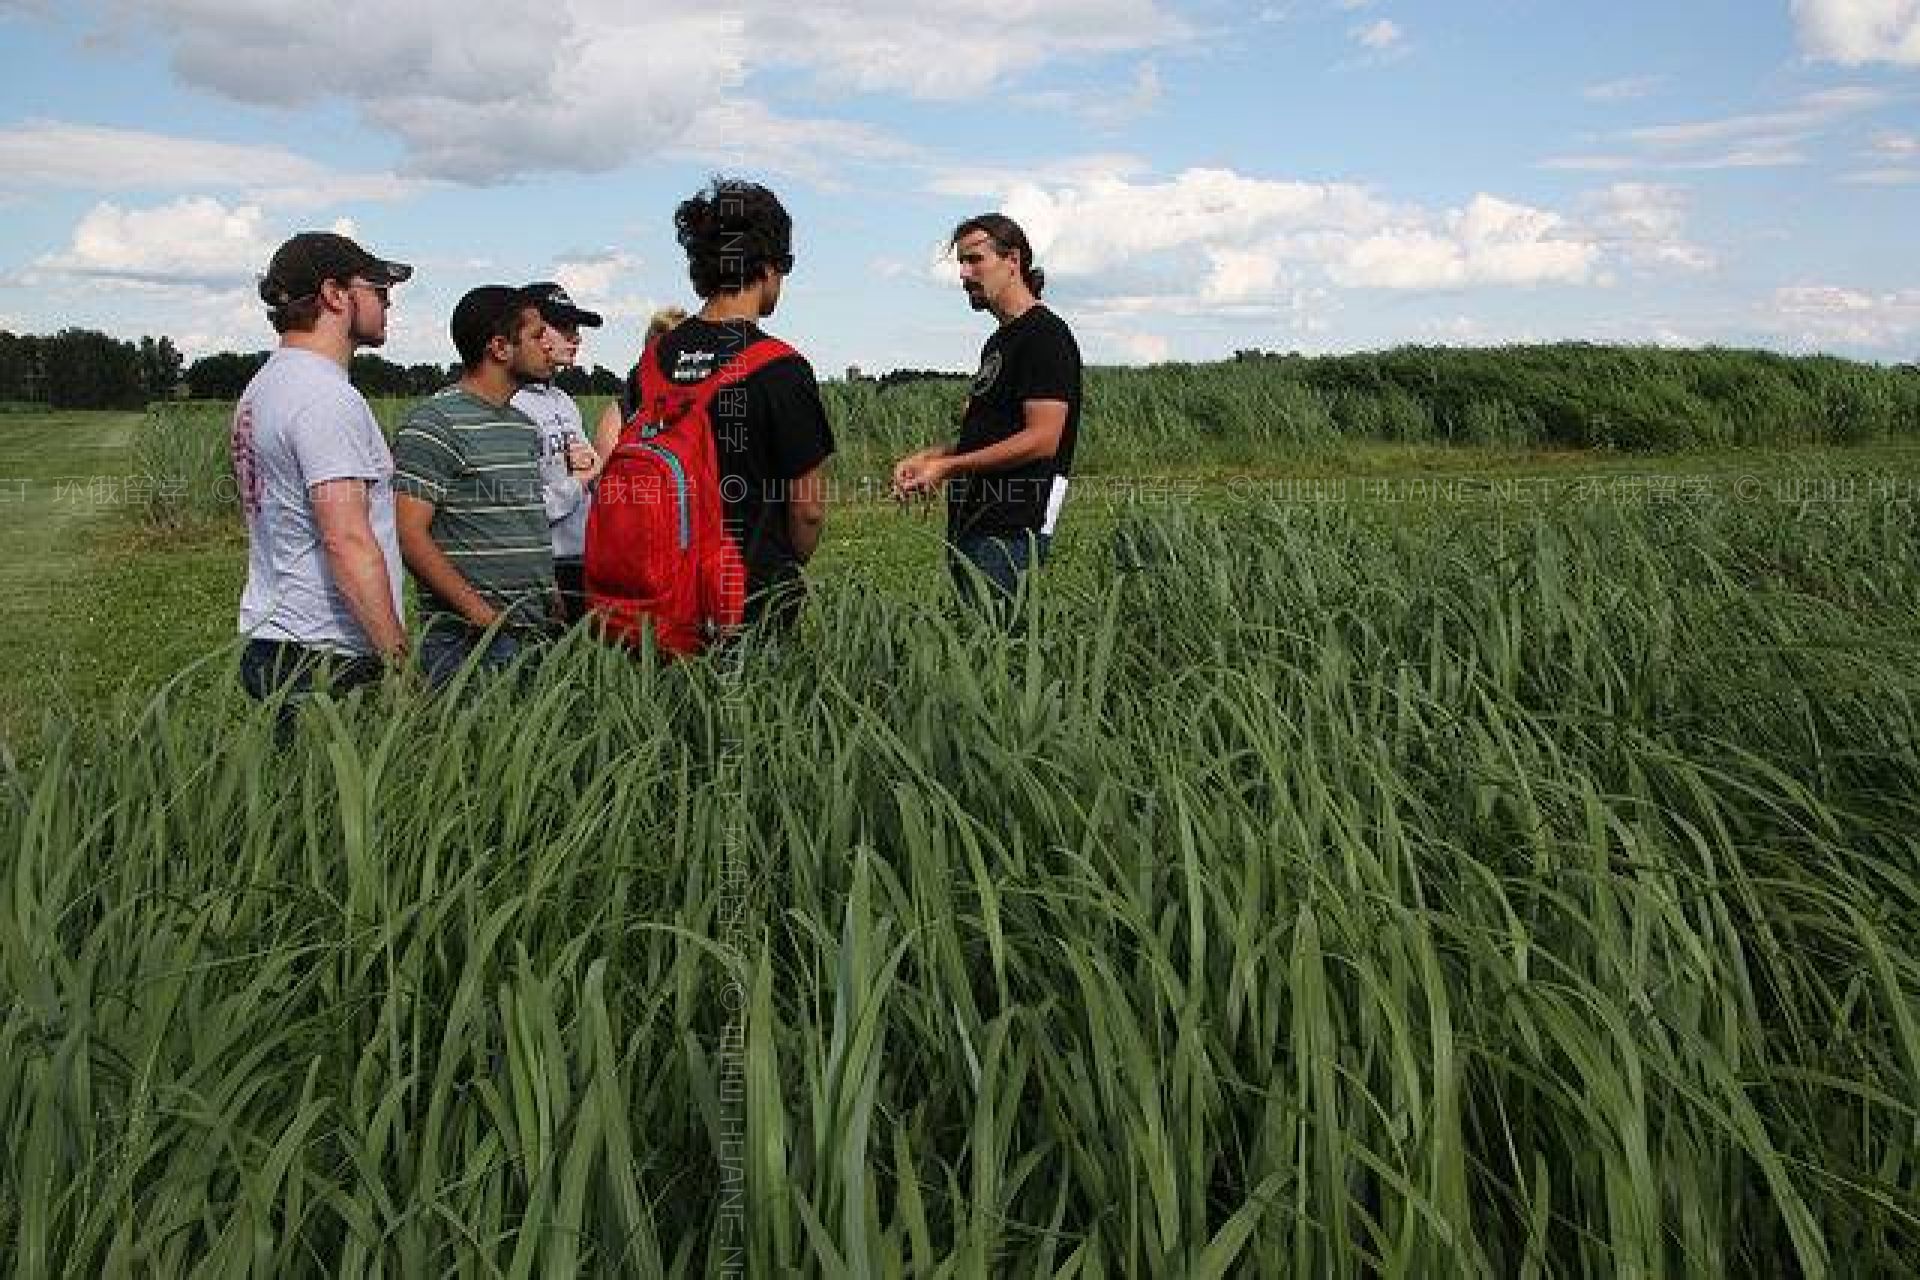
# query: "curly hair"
(733, 232)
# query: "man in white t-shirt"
(568, 463)
(322, 605)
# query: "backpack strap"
(755, 358)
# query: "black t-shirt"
(1033, 357)
(771, 436)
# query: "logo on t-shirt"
(989, 371)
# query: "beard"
(976, 297)
(357, 332)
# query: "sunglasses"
(380, 291)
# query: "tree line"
(86, 369)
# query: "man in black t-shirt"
(772, 429)
(1006, 477)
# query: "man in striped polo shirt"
(469, 503)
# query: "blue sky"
(1312, 175)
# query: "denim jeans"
(447, 645)
(268, 667)
(988, 568)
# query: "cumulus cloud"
(590, 84)
(1832, 315)
(1853, 32)
(197, 242)
(1490, 242)
(1215, 243)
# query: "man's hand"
(582, 461)
(919, 474)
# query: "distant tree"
(160, 364)
(604, 382)
(425, 379)
(223, 376)
(377, 376)
(86, 369)
(22, 373)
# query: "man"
(1006, 477)
(321, 608)
(472, 519)
(568, 462)
(773, 436)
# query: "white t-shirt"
(298, 424)
(558, 417)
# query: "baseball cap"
(557, 306)
(310, 259)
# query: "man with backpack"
(1006, 477)
(473, 523)
(714, 497)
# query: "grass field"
(1377, 859)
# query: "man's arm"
(341, 510)
(606, 434)
(414, 518)
(1042, 422)
(807, 511)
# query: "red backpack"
(658, 550)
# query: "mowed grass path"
(94, 606)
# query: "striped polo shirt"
(476, 462)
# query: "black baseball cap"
(557, 306)
(310, 259)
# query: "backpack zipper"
(680, 487)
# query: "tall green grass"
(1323, 896)
(1574, 396)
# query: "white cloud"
(54, 153)
(1648, 222)
(1852, 32)
(1831, 315)
(1490, 242)
(1810, 113)
(480, 90)
(743, 134)
(1754, 140)
(1381, 37)
(1103, 107)
(196, 241)
(1216, 244)
(880, 46)
(1070, 171)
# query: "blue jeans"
(988, 568)
(268, 667)
(447, 646)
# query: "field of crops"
(1314, 890)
